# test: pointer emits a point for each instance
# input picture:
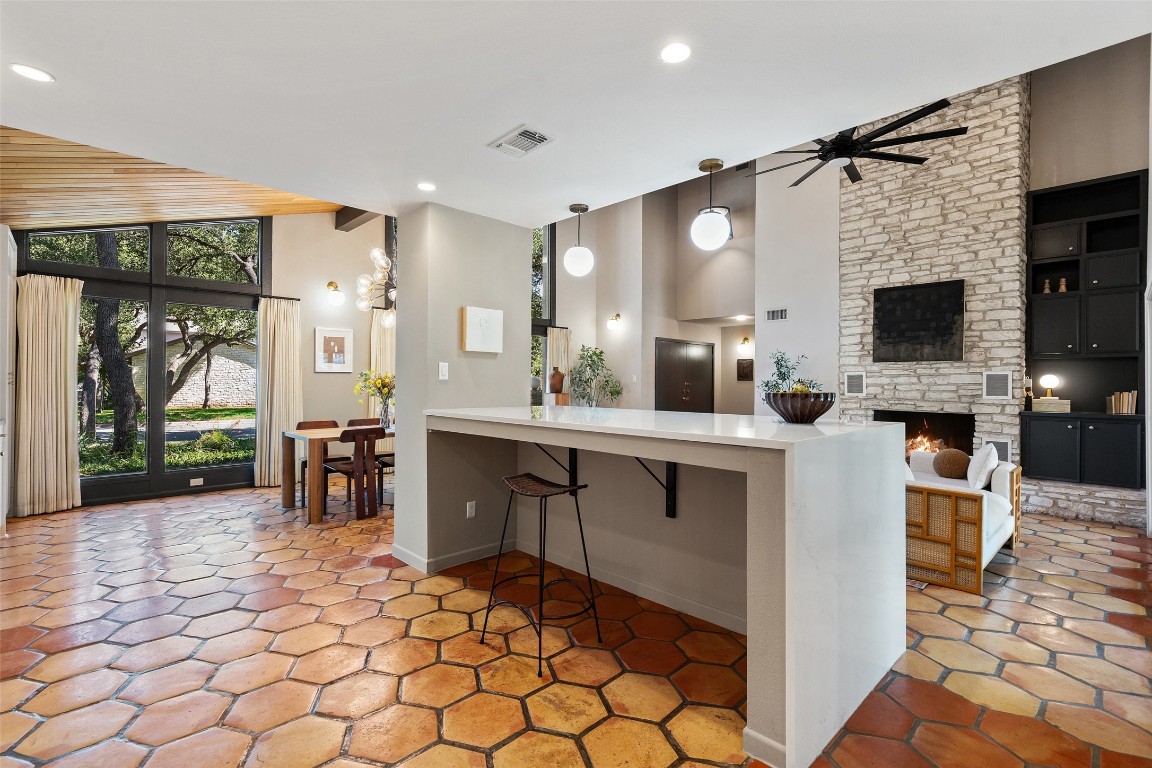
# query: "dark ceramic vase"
(556, 380)
(800, 407)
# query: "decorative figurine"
(1063, 285)
(1047, 286)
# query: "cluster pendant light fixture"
(578, 260)
(713, 225)
(380, 284)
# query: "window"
(543, 305)
(166, 369)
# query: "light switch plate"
(443, 371)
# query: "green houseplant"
(797, 400)
(591, 381)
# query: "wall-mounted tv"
(918, 323)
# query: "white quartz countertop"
(721, 428)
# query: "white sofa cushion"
(982, 466)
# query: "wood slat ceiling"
(47, 182)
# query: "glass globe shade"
(364, 281)
(378, 256)
(380, 275)
(578, 261)
(613, 322)
(335, 297)
(392, 294)
(710, 230)
(388, 319)
(1049, 381)
(363, 291)
(363, 303)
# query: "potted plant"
(381, 386)
(797, 400)
(591, 381)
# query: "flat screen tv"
(918, 323)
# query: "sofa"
(954, 530)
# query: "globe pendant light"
(578, 260)
(712, 227)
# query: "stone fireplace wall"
(961, 215)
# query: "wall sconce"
(712, 227)
(744, 347)
(614, 322)
(1049, 381)
(335, 295)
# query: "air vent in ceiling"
(998, 385)
(520, 141)
(775, 314)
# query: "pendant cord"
(709, 190)
(579, 217)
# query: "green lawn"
(212, 449)
(193, 414)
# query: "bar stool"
(536, 487)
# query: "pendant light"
(578, 260)
(712, 226)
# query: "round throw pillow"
(951, 463)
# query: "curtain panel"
(382, 360)
(47, 448)
(559, 352)
(279, 384)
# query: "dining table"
(314, 441)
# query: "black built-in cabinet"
(1093, 237)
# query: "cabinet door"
(1053, 449)
(1118, 270)
(1113, 322)
(1056, 325)
(1056, 242)
(1112, 453)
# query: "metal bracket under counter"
(668, 484)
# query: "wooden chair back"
(319, 424)
(364, 468)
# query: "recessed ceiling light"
(674, 53)
(425, 186)
(32, 73)
(741, 317)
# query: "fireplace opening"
(934, 431)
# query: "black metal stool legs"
(540, 602)
(496, 574)
(587, 570)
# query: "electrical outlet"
(196, 481)
(470, 510)
(443, 371)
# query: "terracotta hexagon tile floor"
(219, 630)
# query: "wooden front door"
(684, 376)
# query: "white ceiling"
(356, 102)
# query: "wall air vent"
(775, 314)
(855, 384)
(998, 385)
(520, 141)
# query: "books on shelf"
(1121, 402)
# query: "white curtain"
(382, 360)
(559, 352)
(47, 450)
(279, 385)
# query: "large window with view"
(543, 306)
(166, 369)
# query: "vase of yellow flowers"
(381, 386)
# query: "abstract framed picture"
(333, 350)
(744, 369)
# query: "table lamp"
(1049, 381)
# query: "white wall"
(451, 259)
(7, 365)
(619, 290)
(307, 252)
(735, 396)
(798, 268)
(717, 283)
(1090, 116)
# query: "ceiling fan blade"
(814, 169)
(781, 166)
(821, 142)
(848, 133)
(852, 172)
(795, 151)
(918, 137)
(894, 157)
(911, 117)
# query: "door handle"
(1070, 427)
(1091, 427)
(1069, 346)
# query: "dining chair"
(361, 468)
(385, 460)
(318, 424)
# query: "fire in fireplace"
(932, 431)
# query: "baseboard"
(679, 602)
(444, 561)
(764, 749)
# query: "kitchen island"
(793, 534)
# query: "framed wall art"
(333, 350)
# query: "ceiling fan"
(842, 149)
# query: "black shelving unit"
(1093, 237)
